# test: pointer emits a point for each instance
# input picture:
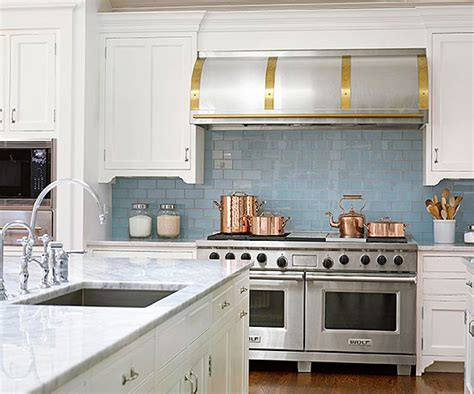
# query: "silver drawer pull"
(243, 290)
(225, 304)
(133, 376)
(469, 283)
(471, 328)
(243, 314)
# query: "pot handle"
(286, 221)
(259, 206)
(351, 197)
(218, 205)
(241, 194)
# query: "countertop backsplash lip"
(301, 175)
(109, 330)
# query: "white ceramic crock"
(444, 231)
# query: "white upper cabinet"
(32, 82)
(146, 108)
(452, 103)
(2, 82)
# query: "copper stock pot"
(385, 227)
(268, 224)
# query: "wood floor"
(281, 378)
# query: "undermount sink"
(126, 298)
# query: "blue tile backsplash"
(301, 175)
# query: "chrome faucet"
(54, 258)
(51, 186)
(27, 243)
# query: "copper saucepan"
(268, 225)
(236, 209)
(385, 227)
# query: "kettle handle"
(351, 197)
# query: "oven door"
(276, 310)
(360, 313)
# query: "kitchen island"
(168, 345)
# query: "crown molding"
(452, 17)
(34, 5)
(169, 21)
(312, 20)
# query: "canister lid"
(167, 207)
(471, 227)
(139, 205)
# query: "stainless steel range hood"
(357, 89)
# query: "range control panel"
(376, 260)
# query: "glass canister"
(168, 222)
(139, 221)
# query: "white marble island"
(45, 347)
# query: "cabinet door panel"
(452, 102)
(3, 58)
(128, 105)
(239, 348)
(32, 82)
(443, 328)
(219, 353)
(170, 97)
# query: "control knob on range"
(381, 259)
(214, 256)
(328, 263)
(365, 259)
(282, 261)
(344, 259)
(245, 256)
(230, 256)
(261, 258)
(398, 260)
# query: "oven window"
(267, 308)
(360, 311)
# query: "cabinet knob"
(225, 304)
(133, 376)
(243, 290)
(471, 328)
(243, 314)
(469, 283)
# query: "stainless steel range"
(316, 297)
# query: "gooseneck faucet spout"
(26, 252)
(51, 186)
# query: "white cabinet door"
(469, 363)
(239, 348)
(146, 103)
(219, 364)
(443, 328)
(32, 82)
(453, 103)
(3, 59)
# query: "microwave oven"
(26, 168)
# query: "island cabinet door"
(219, 364)
(239, 349)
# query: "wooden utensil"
(435, 199)
(452, 201)
(433, 210)
(428, 202)
(445, 193)
(451, 212)
(444, 214)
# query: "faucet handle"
(27, 244)
(56, 245)
(76, 251)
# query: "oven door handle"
(277, 277)
(340, 278)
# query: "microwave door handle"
(340, 278)
(276, 277)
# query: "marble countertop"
(152, 242)
(457, 247)
(43, 347)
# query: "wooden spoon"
(433, 210)
(429, 202)
(435, 199)
(444, 214)
(452, 201)
(451, 212)
(443, 202)
(445, 193)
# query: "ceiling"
(137, 5)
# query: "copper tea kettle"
(350, 224)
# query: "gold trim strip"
(196, 83)
(346, 82)
(423, 97)
(270, 83)
(294, 116)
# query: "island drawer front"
(222, 303)
(126, 370)
(447, 287)
(443, 264)
(241, 288)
